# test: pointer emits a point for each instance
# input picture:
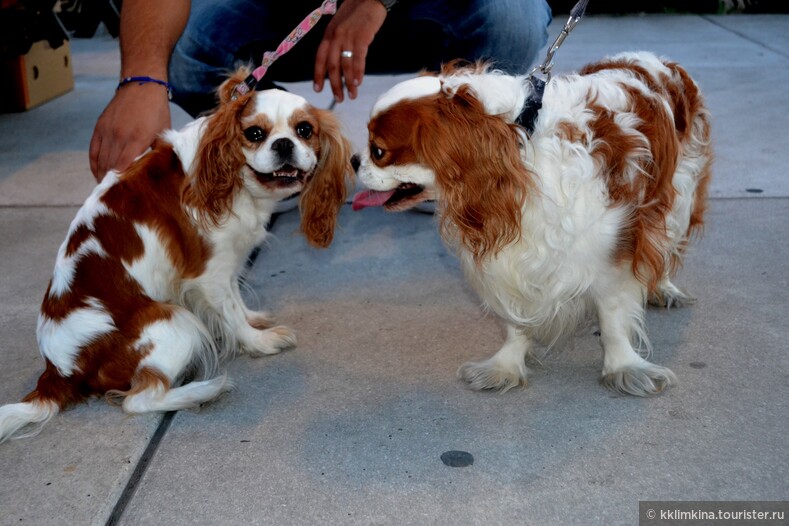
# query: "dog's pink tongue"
(370, 198)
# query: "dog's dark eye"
(376, 152)
(304, 129)
(254, 134)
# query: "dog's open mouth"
(403, 197)
(286, 175)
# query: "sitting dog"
(589, 213)
(145, 287)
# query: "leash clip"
(547, 65)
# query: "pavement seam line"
(746, 37)
(139, 470)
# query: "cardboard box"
(39, 75)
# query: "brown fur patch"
(149, 193)
(52, 387)
(650, 194)
(79, 236)
(216, 178)
(326, 190)
(570, 132)
(144, 379)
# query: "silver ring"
(346, 54)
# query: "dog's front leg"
(235, 330)
(257, 319)
(505, 369)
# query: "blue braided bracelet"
(143, 80)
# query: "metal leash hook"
(533, 104)
(547, 65)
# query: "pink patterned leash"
(328, 7)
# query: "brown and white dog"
(145, 287)
(589, 214)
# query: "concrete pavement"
(348, 427)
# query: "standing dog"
(145, 286)
(590, 213)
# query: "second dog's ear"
(228, 87)
(482, 179)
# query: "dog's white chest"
(568, 236)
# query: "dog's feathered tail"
(25, 419)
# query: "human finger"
(347, 60)
(335, 71)
(321, 58)
(359, 61)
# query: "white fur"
(185, 141)
(155, 272)
(92, 208)
(174, 343)
(499, 93)
(61, 341)
(559, 271)
(175, 399)
(25, 419)
(409, 89)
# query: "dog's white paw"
(260, 319)
(642, 380)
(272, 341)
(493, 374)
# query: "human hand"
(128, 126)
(352, 29)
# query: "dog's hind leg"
(669, 295)
(150, 393)
(175, 345)
(502, 371)
(620, 310)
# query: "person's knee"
(193, 81)
(512, 32)
(198, 65)
(203, 55)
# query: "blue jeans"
(416, 35)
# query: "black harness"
(528, 116)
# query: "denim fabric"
(417, 34)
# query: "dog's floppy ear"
(327, 190)
(215, 175)
(479, 172)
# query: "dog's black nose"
(355, 162)
(283, 147)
